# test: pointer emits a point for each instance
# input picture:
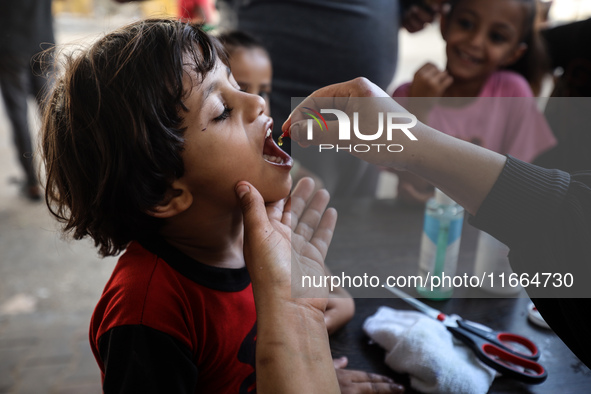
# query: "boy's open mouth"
(274, 154)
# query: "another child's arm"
(339, 309)
(412, 189)
(359, 382)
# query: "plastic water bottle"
(440, 245)
(492, 261)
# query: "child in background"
(250, 64)
(251, 67)
(145, 137)
(492, 50)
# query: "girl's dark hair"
(534, 63)
(112, 135)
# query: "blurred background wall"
(98, 8)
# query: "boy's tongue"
(273, 154)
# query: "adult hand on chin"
(282, 240)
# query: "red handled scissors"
(510, 354)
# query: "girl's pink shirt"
(504, 118)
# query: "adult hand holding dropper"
(462, 170)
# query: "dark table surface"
(379, 237)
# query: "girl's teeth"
(467, 57)
(268, 133)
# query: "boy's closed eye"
(225, 112)
(224, 115)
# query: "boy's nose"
(255, 107)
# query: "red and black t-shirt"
(169, 324)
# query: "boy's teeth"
(273, 159)
(268, 133)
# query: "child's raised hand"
(429, 81)
(339, 310)
(413, 190)
(351, 381)
(416, 17)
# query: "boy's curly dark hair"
(112, 135)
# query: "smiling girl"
(492, 52)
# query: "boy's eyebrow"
(208, 90)
(214, 85)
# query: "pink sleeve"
(529, 135)
(519, 87)
(506, 84)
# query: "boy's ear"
(516, 55)
(177, 200)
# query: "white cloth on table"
(423, 348)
